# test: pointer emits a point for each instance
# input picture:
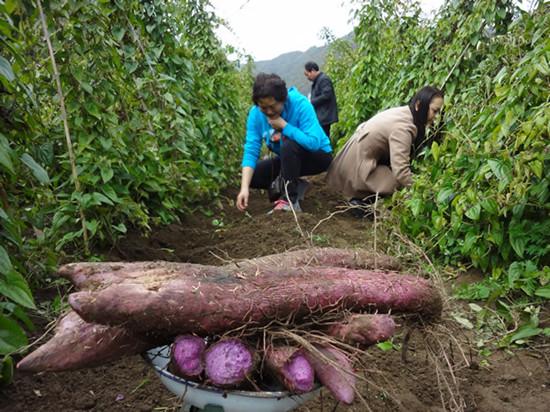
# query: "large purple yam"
(228, 362)
(78, 344)
(187, 356)
(209, 305)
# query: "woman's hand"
(277, 123)
(242, 200)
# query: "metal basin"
(200, 396)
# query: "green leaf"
(518, 242)
(526, 331)
(87, 87)
(169, 98)
(6, 370)
(12, 336)
(501, 170)
(469, 241)
(463, 321)
(101, 198)
(106, 142)
(474, 212)
(435, 151)
(537, 167)
(5, 262)
(385, 346)
(515, 271)
(445, 195)
(5, 154)
(37, 170)
(6, 70)
(543, 292)
(92, 226)
(19, 313)
(92, 108)
(490, 205)
(11, 5)
(106, 173)
(110, 192)
(118, 33)
(16, 288)
(121, 227)
(416, 206)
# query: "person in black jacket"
(322, 96)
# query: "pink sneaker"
(284, 205)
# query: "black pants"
(294, 161)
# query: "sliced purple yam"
(187, 355)
(291, 367)
(228, 362)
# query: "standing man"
(322, 97)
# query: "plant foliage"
(481, 195)
(154, 111)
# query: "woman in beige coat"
(376, 159)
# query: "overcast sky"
(268, 28)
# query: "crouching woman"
(377, 157)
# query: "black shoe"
(360, 209)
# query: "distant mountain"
(290, 66)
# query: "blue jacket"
(302, 127)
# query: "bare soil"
(440, 370)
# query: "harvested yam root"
(208, 305)
(187, 356)
(291, 368)
(78, 344)
(97, 275)
(128, 308)
(363, 330)
(229, 362)
(334, 370)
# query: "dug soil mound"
(431, 368)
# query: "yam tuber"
(187, 356)
(334, 370)
(207, 305)
(364, 329)
(291, 368)
(229, 362)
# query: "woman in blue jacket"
(286, 121)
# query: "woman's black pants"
(294, 161)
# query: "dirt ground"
(439, 371)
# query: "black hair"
(309, 66)
(269, 85)
(420, 117)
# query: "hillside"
(290, 66)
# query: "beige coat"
(361, 167)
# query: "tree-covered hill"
(290, 66)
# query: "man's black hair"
(424, 97)
(269, 85)
(309, 66)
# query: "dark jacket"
(324, 99)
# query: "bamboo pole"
(72, 158)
